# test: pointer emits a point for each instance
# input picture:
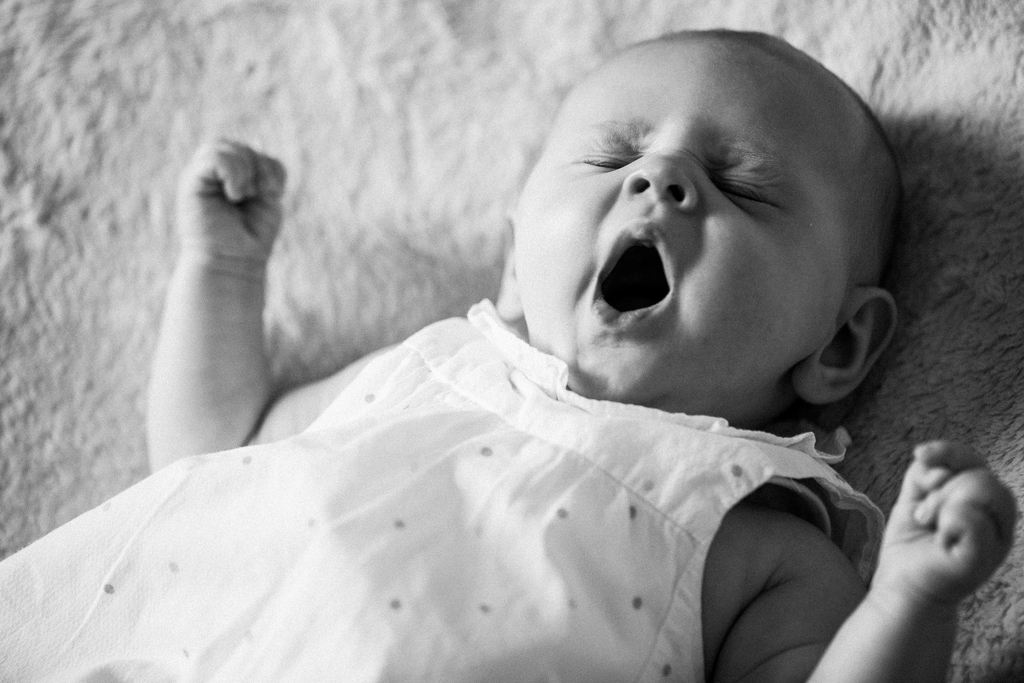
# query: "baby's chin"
(634, 391)
(644, 391)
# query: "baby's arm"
(210, 380)
(950, 528)
(801, 608)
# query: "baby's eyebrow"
(628, 134)
(723, 151)
(743, 155)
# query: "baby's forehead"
(745, 88)
(723, 58)
(757, 52)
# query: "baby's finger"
(926, 511)
(920, 480)
(953, 456)
(236, 169)
(970, 545)
(933, 465)
(972, 541)
(270, 176)
(973, 493)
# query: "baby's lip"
(653, 290)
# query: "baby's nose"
(664, 182)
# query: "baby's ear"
(509, 305)
(840, 365)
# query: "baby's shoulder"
(771, 572)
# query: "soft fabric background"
(406, 127)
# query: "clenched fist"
(952, 525)
(229, 203)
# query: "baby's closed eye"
(609, 161)
(740, 189)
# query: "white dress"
(457, 514)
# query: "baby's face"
(681, 243)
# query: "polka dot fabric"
(457, 514)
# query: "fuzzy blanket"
(407, 127)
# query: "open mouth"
(636, 281)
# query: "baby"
(572, 485)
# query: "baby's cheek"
(731, 299)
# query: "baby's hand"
(229, 203)
(950, 528)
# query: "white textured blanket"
(406, 126)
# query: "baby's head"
(706, 228)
